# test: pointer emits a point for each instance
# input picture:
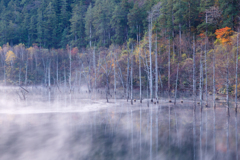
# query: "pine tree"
(229, 12)
(102, 14)
(89, 29)
(118, 24)
(50, 26)
(136, 19)
(77, 29)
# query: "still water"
(117, 131)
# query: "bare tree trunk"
(214, 89)
(127, 82)
(4, 73)
(95, 70)
(236, 74)
(227, 84)
(45, 71)
(88, 76)
(169, 67)
(132, 76)
(70, 70)
(156, 70)
(57, 69)
(49, 74)
(26, 73)
(194, 73)
(115, 85)
(90, 42)
(107, 87)
(206, 80)
(140, 76)
(150, 59)
(175, 96)
(201, 75)
(65, 78)
(19, 75)
(80, 79)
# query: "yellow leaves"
(184, 56)
(10, 56)
(224, 34)
(31, 50)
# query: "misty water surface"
(73, 127)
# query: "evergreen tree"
(229, 12)
(50, 27)
(77, 30)
(136, 19)
(89, 28)
(102, 15)
(118, 24)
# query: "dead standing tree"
(107, 68)
(152, 15)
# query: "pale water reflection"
(121, 132)
(91, 129)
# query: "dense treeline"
(159, 45)
(84, 23)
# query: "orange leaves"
(202, 35)
(74, 51)
(224, 34)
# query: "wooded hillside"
(160, 45)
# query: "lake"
(73, 127)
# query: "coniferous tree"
(89, 29)
(77, 28)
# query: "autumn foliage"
(224, 34)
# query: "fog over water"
(56, 126)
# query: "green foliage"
(55, 23)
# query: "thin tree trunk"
(132, 76)
(19, 75)
(80, 79)
(70, 70)
(150, 59)
(214, 89)
(49, 74)
(57, 69)
(90, 42)
(140, 76)
(115, 85)
(175, 96)
(169, 67)
(95, 70)
(4, 73)
(88, 75)
(127, 84)
(236, 74)
(206, 80)
(26, 73)
(194, 73)
(156, 70)
(201, 75)
(227, 84)
(65, 78)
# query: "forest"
(154, 45)
(119, 79)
